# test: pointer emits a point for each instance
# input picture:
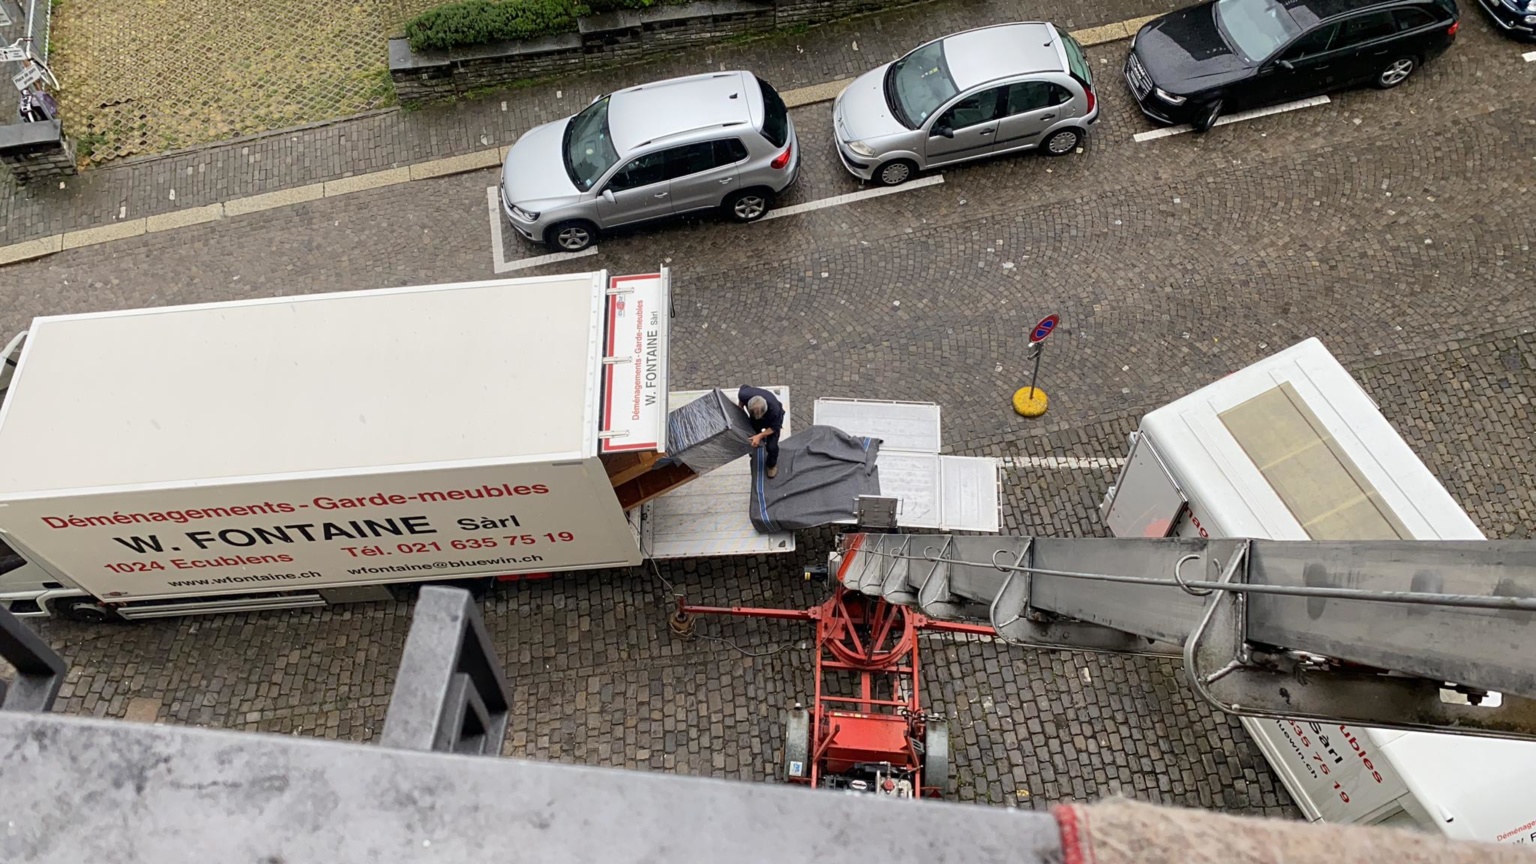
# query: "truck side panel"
(1337, 773)
(313, 532)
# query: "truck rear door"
(634, 376)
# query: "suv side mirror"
(944, 131)
(1286, 65)
(608, 196)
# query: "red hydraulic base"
(866, 729)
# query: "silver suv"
(983, 92)
(720, 140)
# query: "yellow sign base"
(1028, 405)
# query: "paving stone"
(1172, 263)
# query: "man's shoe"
(773, 472)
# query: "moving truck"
(1291, 448)
(298, 451)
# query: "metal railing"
(84, 789)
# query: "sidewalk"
(189, 186)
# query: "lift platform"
(866, 730)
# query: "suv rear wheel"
(572, 236)
(748, 205)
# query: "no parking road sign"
(1044, 328)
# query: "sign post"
(1030, 401)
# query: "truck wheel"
(797, 745)
(84, 610)
(936, 757)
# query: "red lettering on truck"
(503, 490)
(1195, 521)
(180, 517)
(1365, 759)
(378, 499)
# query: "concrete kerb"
(31, 249)
(104, 233)
(480, 159)
(1110, 32)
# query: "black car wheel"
(1209, 118)
(1396, 72)
(896, 172)
(1061, 142)
(571, 236)
(748, 205)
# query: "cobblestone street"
(1394, 226)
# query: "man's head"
(757, 406)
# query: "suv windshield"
(1255, 27)
(1077, 64)
(775, 116)
(918, 84)
(587, 147)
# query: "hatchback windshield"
(588, 148)
(918, 84)
(1255, 27)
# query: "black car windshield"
(1256, 28)
(917, 84)
(588, 148)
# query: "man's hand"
(757, 440)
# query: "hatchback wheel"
(1396, 72)
(896, 172)
(571, 236)
(1062, 142)
(748, 205)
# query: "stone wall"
(36, 151)
(603, 40)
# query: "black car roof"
(1322, 10)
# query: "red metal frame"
(874, 643)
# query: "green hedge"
(476, 22)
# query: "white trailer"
(298, 451)
(1291, 448)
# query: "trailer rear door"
(949, 493)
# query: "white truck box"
(1291, 448)
(306, 444)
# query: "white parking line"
(1073, 463)
(502, 265)
(1234, 118)
(1530, 56)
(499, 253)
(851, 197)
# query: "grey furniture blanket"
(822, 473)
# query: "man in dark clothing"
(767, 416)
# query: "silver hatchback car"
(719, 140)
(979, 93)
